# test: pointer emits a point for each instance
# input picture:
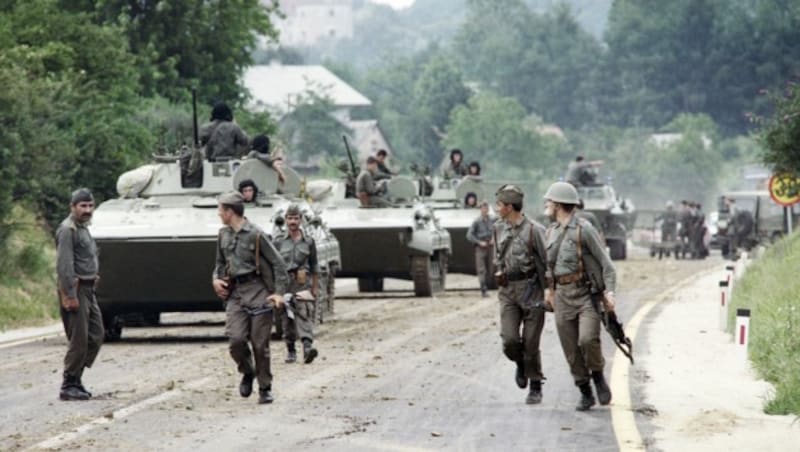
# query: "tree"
(780, 134)
(311, 129)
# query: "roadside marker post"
(724, 295)
(742, 333)
(729, 271)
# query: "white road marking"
(59, 440)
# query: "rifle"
(350, 157)
(288, 305)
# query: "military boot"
(246, 386)
(484, 292)
(71, 391)
(600, 385)
(291, 353)
(309, 352)
(587, 398)
(80, 384)
(535, 393)
(265, 395)
(519, 377)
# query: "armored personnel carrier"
(157, 240)
(617, 216)
(405, 241)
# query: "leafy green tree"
(311, 129)
(780, 134)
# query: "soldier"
(580, 272)
(520, 260)
(383, 171)
(455, 167)
(685, 221)
(260, 150)
(669, 223)
(249, 190)
(77, 268)
(480, 235)
(474, 169)
(471, 200)
(299, 252)
(250, 276)
(578, 172)
(222, 137)
(369, 193)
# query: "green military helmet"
(293, 209)
(562, 193)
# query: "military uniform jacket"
(300, 254)
(526, 252)
(481, 229)
(366, 183)
(76, 253)
(597, 264)
(223, 139)
(236, 256)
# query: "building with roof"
(307, 22)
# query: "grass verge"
(771, 290)
(27, 274)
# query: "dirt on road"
(394, 373)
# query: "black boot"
(587, 398)
(535, 393)
(71, 391)
(519, 377)
(291, 353)
(265, 395)
(80, 384)
(600, 385)
(309, 352)
(246, 386)
(484, 293)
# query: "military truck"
(616, 215)
(766, 222)
(157, 240)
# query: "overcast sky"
(395, 3)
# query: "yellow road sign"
(784, 188)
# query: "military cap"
(81, 195)
(232, 198)
(293, 209)
(371, 159)
(509, 194)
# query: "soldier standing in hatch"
(520, 260)
(455, 167)
(480, 235)
(383, 171)
(299, 252)
(578, 171)
(369, 193)
(252, 292)
(580, 273)
(222, 137)
(77, 268)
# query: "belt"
(241, 279)
(519, 276)
(89, 281)
(569, 279)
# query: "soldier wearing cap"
(369, 193)
(520, 260)
(580, 273)
(480, 235)
(250, 276)
(77, 269)
(299, 252)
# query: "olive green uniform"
(237, 260)
(77, 268)
(519, 264)
(481, 231)
(366, 184)
(223, 139)
(300, 257)
(451, 170)
(577, 319)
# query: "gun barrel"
(195, 130)
(350, 156)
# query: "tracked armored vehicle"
(157, 240)
(616, 216)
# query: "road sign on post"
(784, 188)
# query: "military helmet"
(562, 193)
(293, 209)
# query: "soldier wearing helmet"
(300, 254)
(520, 262)
(580, 272)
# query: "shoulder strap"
(258, 253)
(558, 249)
(580, 249)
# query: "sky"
(396, 4)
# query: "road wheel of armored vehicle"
(112, 324)
(617, 249)
(370, 284)
(429, 274)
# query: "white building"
(309, 22)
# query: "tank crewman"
(221, 136)
(669, 223)
(260, 150)
(520, 261)
(77, 269)
(471, 200)
(250, 276)
(580, 272)
(480, 235)
(369, 193)
(299, 252)
(454, 168)
(383, 171)
(578, 171)
(249, 190)
(474, 169)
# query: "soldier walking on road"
(77, 268)
(251, 276)
(669, 223)
(480, 235)
(520, 260)
(580, 273)
(299, 252)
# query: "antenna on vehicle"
(195, 131)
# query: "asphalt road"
(395, 373)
